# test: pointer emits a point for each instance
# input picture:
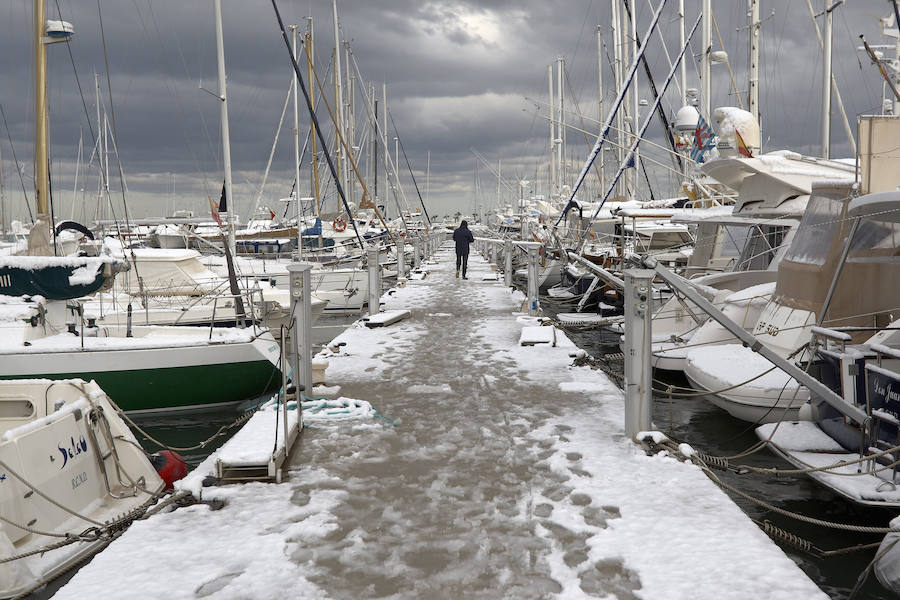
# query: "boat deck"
(459, 464)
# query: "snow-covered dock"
(467, 466)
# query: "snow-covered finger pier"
(466, 465)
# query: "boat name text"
(79, 479)
(73, 450)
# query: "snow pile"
(85, 275)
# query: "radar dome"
(732, 122)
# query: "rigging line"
(409, 166)
(184, 131)
(16, 161)
(643, 129)
(660, 111)
(348, 152)
(620, 97)
(315, 120)
(612, 128)
(728, 63)
(620, 145)
(584, 22)
(393, 185)
(272, 153)
(80, 89)
(665, 50)
(580, 118)
(112, 112)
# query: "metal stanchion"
(638, 312)
(301, 308)
(374, 281)
(534, 303)
(507, 268)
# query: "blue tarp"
(315, 230)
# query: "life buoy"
(339, 224)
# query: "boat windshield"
(816, 231)
(762, 245)
(734, 238)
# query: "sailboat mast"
(552, 134)
(561, 95)
(617, 75)
(310, 61)
(294, 91)
(684, 62)
(338, 103)
(98, 213)
(600, 98)
(826, 81)
(705, 70)
(349, 132)
(41, 128)
(226, 140)
(636, 113)
(753, 100)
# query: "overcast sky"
(459, 75)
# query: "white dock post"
(417, 258)
(638, 368)
(401, 259)
(301, 308)
(533, 302)
(507, 268)
(374, 281)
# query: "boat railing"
(250, 298)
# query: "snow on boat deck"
(496, 471)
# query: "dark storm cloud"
(457, 75)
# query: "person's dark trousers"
(462, 259)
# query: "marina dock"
(461, 463)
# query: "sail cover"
(56, 277)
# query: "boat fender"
(887, 560)
(169, 466)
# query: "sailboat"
(69, 466)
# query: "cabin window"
(876, 235)
(16, 408)
(815, 233)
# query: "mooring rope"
(222, 430)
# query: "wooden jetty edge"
(497, 470)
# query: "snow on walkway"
(496, 471)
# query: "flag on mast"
(703, 140)
(742, 147)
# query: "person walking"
(463, 237)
